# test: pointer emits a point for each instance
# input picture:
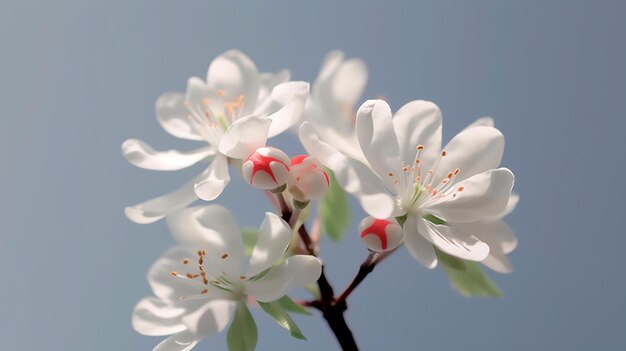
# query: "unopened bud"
(380, 235)
(308, 179)
(266, 168)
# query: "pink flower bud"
(266, 168)
(308, 180)
(380, 235)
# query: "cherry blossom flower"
(200, 284)
(331, 106)
(212, 111)
(436, 192)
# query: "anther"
(219, 92)
(185, 261)
(224, 256)
(443, 153)
(460, 188)
(204, 292)
(420, 147)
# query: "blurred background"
(77, 78)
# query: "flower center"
(418, 189)
(211, 117)
(205, 280)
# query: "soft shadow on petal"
(418, 123)
(377, 138)
(453, 241)
(483, 196)
(233, 74)
(211, 318)
(245, 136)
(153, 316)
(216, 179)
(172, 115)
(292, 96)
(273, 239)
(295, 271)
(420, 248)
(473, 151)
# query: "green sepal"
(242, 334)
(280, 315)
(288, 304)
(334, 210)
(467, 277)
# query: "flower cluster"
(445, 204)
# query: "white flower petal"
(154, 209)
(500, 238)
(352, 175)
(153, 316)
(349, 81)
(235, 75)
(172, 115)
(183, 341)
(292, 96)
(420, 248)
(452, 241)
(295, 271)
(418, 123)
(144, 156)
(473, 151)
(216, 179)
(510, 205)
(273, 239)
(377, 138)
(245, 136)
(330, 64)
(213, 229)
(484, 196)
(211, 318)
(267, 82)
(481, 122)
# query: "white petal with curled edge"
(267, 82)
(144, 156)
(473, 151)
(273, 240)
(420, 248)
(500, 238)
(172, 115)
(154, 209)
(349, 81)
(352, 175)
(235, 75)
(510, 205)
(153, 316)
(418, 123)
(213, 229)
(481, 122)
(293, 96)
(244, 136)
(483, 196)
(216, 179)
(377, 138)
(211, 318)
(295, 271)
(183, 341)
(452, 241)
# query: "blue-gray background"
(78, 78)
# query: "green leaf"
(288, 304)
(467, 277)
(249, 239)
(242, 334)
(281, 317)
(334, 210)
